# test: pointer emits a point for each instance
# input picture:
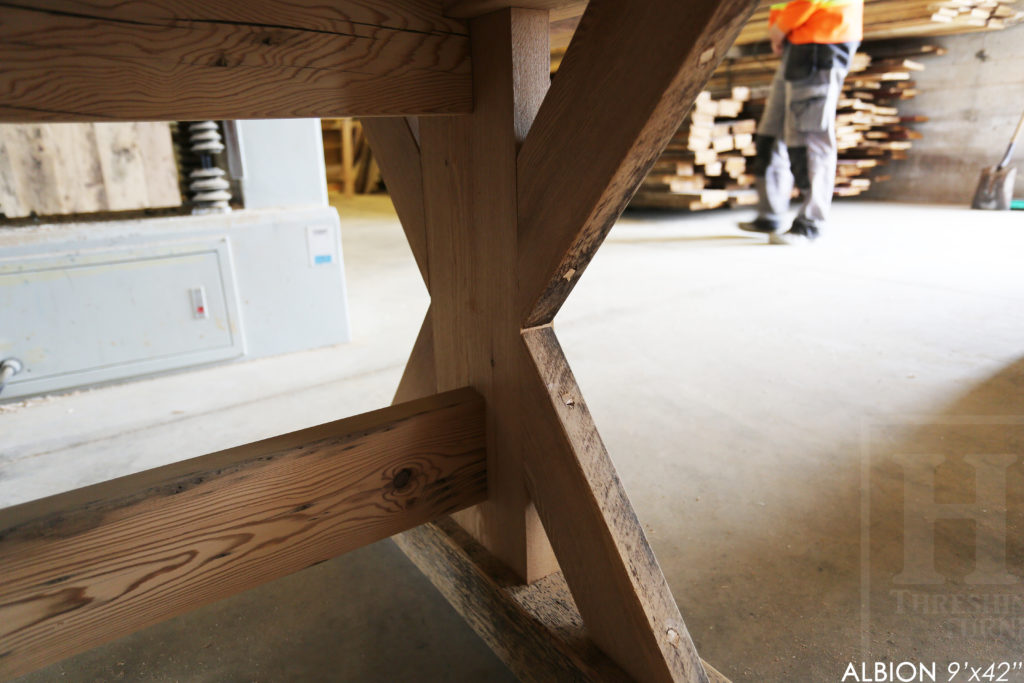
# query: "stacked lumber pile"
(977, 14)
(348, 160)
(885, 19)
(705, 164)
(870, 130)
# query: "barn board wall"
(69, 168)
(973, 103)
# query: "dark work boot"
(765, 225)
(801, 232)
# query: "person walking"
(796, 137)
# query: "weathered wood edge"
(536, 629)
(398, 153)
(419, 378)
(600, 544)
(629, 76)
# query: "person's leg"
(811, 136)
(770, 166)
(773, 180)
(820, 158)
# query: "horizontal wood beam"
(535, 629)
(75, 60)
(475, 8)
(336, 16)
(84, 567)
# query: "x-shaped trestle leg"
(503, 209)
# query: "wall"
(283, 161)
(974, 96)
(64, 168)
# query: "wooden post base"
(535, 629)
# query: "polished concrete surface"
(752, 396)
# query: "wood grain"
(78, 60)
(474, 8)
(124, 173)
(158, 163)
(10, 196)
(337, 16)
(608, 564)
(398, 154)
(84, 567)
(469, 179)
(69, 168)
(35, 170)
(420, 376)
(83, 184)
(630, 74)
(536, 629)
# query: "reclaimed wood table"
(506, 183)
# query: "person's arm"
(785, 17)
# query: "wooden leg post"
(516, 199)
(469, 179)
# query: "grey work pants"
(799, 119)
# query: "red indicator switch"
(197, 295)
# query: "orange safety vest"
(819, 21)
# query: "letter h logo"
(920, 512)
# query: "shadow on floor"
(846, 566)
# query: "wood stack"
(977, 13)
(870, 130)
(885, 19)
(705, 164)
(349, 162)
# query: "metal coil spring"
(211, 191)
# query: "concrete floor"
(749, 395)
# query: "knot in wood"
(402, 478)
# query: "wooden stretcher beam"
(100, 562)
(535, 629)
(80, 60)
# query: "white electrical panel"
(83, 317)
